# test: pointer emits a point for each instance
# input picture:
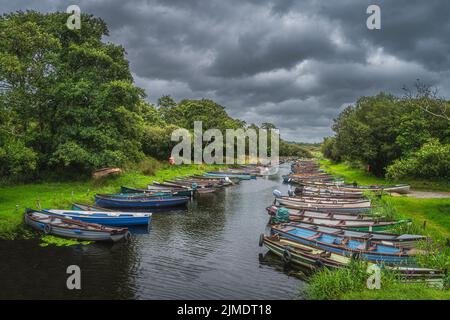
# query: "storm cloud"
(296, 64)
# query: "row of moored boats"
(111, 216)
(323, 222)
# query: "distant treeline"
(397, 137)
(68, 104)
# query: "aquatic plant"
(61, 242)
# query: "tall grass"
(329, 284)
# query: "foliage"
(432, 160)
(329, 149)
(69, 97)
(156, 141)
(291, 149)
(433, 256)
(381, 129)
(61, 242)
(329, 284)
(212, 115)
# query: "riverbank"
(430, 217)
(353, 173)
(15, 198)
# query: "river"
(209, 251)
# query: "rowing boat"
(73, 229)
(403, 240)
(181, 192)
(368, 250)
(296, 204)
(353, 222)
(114, 201)
(109, 218)
(312, 258)
(398, 188)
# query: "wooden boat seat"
(317, 235)
(287, 229)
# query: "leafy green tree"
(166, 101)
(432, 160)
(366, 132)
(329, 149)
(72, 96)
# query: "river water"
(209, 251)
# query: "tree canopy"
(381, 129)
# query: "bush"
(147, 166)
(16, 160)
(329, 149)
(432, 160)
(156, 141)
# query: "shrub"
(432, 160)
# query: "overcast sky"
(290, 62)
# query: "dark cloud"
(290, 62)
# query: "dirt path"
(425, 194)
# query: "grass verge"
(356, 173)
(14, 199)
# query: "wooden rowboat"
(367, 250)
(311, 258)
(73, 229)
(181, 192)
(115, 201)
(294, 203)
(403, 240)
(108, 218)
(399, 188)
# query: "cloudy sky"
(290, 62)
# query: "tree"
(71, 95)
(426, 98)
(166, 101)
(268, 126)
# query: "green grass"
(355, 173)
(398, 291)
(436, 213)
(14, 199)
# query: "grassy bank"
(15, 198)
(355, 173)
(346, 284)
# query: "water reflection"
(208, 250)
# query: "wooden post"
(424, 224)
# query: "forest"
(69, 104)
(395, 137)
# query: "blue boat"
(121, 201)
(108, 218)
(347, 246)
(73, 229)
(233, 175)
(181, 192)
